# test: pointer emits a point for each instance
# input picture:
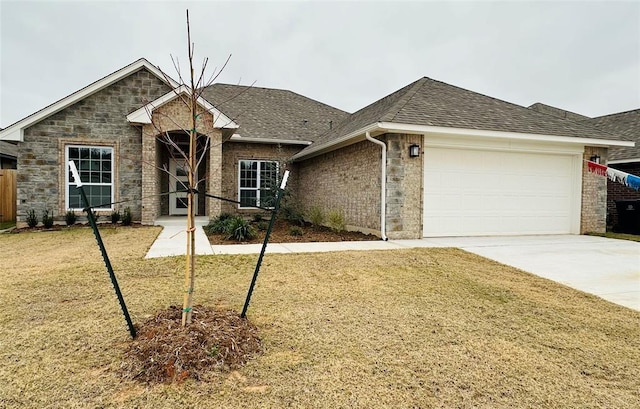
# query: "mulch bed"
(60, 227)
(310, 234)
(166, 352)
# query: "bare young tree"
(188, 93)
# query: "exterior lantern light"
(595, 158)
(414, 151)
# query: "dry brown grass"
(389, 329)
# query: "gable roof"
(144, 114)
(626, 124)
(427, 105)
(273, 114)
(15, 131)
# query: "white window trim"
(67, 181)
(258, 181)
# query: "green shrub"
(336, 221)
(257, 217)
(126, 216)
(237, 228)
(70, 218)
(47, 219)
(292, 215)
(115, 217)
(263, 225)
(316, 216)
(217, 225)
(32, 219)
(296, 231)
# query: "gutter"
(383, 186)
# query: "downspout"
(383, 187)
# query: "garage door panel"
(475, 192)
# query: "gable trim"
(144, 114)
(15, 132)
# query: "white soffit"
(144, 114)
(15, 132)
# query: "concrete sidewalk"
(172, 240)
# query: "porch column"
(149, 176)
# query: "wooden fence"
(8, 193)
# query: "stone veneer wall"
(404, 187)
(593, 217)
(173, 117)
(233, 152)
(99, 119)
(346, 180)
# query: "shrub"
(262, 225)
(237, 228)
(115, 217)
(126, 216)
(296, 231)
(32, 219)
(257, 217)
(316, 216)
(47, 219)
(70, 218)
(336, 221)
(217, 225)
(292, 215)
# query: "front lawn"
(388, 329)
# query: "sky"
(583, 56)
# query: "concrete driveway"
(605, 267)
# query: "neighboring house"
(624, 158)
(428, 160)
(8, 155)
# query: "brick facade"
(617, 191)
(346, 180)
(404, 188)
(233, 152)
(99, 119)
(593, 217)
(174, 117)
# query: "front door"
(178, 182)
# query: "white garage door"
(482, 192)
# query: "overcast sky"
(581, 56)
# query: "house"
(431, 159)
(8, 155)
(624, 158)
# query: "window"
(95, 167)
(258, 181)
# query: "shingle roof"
(558, 112)
(434, 103)
(273, 113)
(626, 124)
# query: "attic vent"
(330, 125)
(304, 123)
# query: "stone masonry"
(174, 118)
(593, 217)
(98, 120)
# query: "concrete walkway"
(172, 240)
(605, 267)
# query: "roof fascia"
(144, 114)
(238, 138)
(619, 161)
(422, 129)
(392, 127)
(15, 132)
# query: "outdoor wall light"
(414, 151)
(595, 158)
